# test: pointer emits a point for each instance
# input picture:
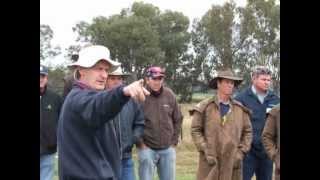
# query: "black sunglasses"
(157, 78)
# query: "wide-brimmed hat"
(118, 72)
(90, 55)
(225, 74)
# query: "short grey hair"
(260, 70)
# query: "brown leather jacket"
(222, 146)
(271, 137)
(163, 120)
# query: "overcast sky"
(62, 15)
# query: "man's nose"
(104, 74)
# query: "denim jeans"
(46, 166)
(164, 160)
(127, 169)
(261, 167)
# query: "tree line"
(226, 36)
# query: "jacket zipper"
(120, 140)
(115, 133)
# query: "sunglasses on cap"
(155, 71)
(262, 70)
(157, 78)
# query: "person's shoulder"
(273, 95)
(68, 78)
(50, 92)
(167, 90)
(202, 105)
(240, 105)
(275, 110)
(243, 93)
(168, 93)
(53, 95)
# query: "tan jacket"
(271, 138)
(221, 146)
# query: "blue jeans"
(164, 160)
(262, 167)
(46, 167)
(127, 169)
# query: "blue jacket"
(258, 116)
(87, 142)
(131, 121)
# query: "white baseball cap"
(90, 55)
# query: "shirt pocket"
(167, 109)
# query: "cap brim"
(114, 64)
(157, 75)
(110, 74)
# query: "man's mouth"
(101, 82)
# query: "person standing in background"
(50, 104)
(259, 99)
(163, 121)
(129, 125)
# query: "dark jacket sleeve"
(138, 123)
(59, 104)
(197, 130)
(96, 108)
(177, 121)
(246, 138)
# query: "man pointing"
(87, 143)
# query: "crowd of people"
(94, 126)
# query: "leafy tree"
(55, 79)
(46, 49)
(174, 41)
(141, 36)
(239, 38)
(262, 24)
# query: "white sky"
(62, 15)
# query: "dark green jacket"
(50, 104)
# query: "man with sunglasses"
(163, 120)
(260, 99)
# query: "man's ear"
(81, 71)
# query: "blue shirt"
(260, 96)
(224, 108)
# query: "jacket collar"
(81, 85)
(155, 93)
(215, 100)
(251, 93)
